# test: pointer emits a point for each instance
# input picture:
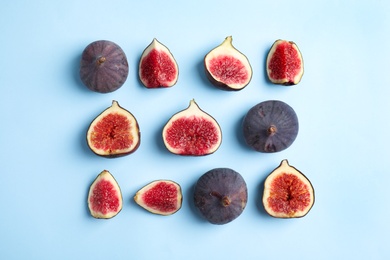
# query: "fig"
(227, 68)
(270, 126)
(162, 197)
(103, 66)
(220, 195)
(104, 197)
(114, 133)
(157, 67)
(284, 63)
(287, 192)
(192, 132)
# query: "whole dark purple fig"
(221, 195)
(270, 126)
(103, 66)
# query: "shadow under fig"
(259, 198)
(194, 210)
(75, 72)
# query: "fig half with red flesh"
(104, 197)
(103, 66)
(221, 195)
(284, 63)
(162, 197)
(227, 68)
(192, 132)
(157, 67)
(113, 133)
(288, 193)
(270, 126)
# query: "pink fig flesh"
(287, 192)
(192, 132)
(227, 68)
(162, 197)
(284, 63)
(158, 68)
(104, 197)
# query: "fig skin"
(103, 66)
(283, 62)
(270, 126)
(164, 198)
(104, 198)
(132, 133)
(220, 195)
(162, 73)
(224, 50)
(287, 176)
(192, 144)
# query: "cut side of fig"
(162, 197)
(192, 132)
(287, 192)
(103, 66)
(284, 63)
(104, 197)
(113, 133)
(157, 67)
(227, 68)
(221, 195)
(270, 126)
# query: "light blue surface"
(343, 145)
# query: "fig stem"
(272, 130)
(224, 199)
(101, 60)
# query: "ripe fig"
(287, 192)
(103, 66)
(162, 197)
(114, 132)
(157, 67)
(284, 63)
(227, 68)
(270, 126)
(104, 197)
(192, 132)
(221, 195)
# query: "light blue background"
(343, 145)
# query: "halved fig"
(227, 68)
(103, 66)
(113, 133)
(192, 132)
(157, 67)
(284, 63)
(221, 195)
(162, 197)
(270, 126)
(104, 197)
(287, 192)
